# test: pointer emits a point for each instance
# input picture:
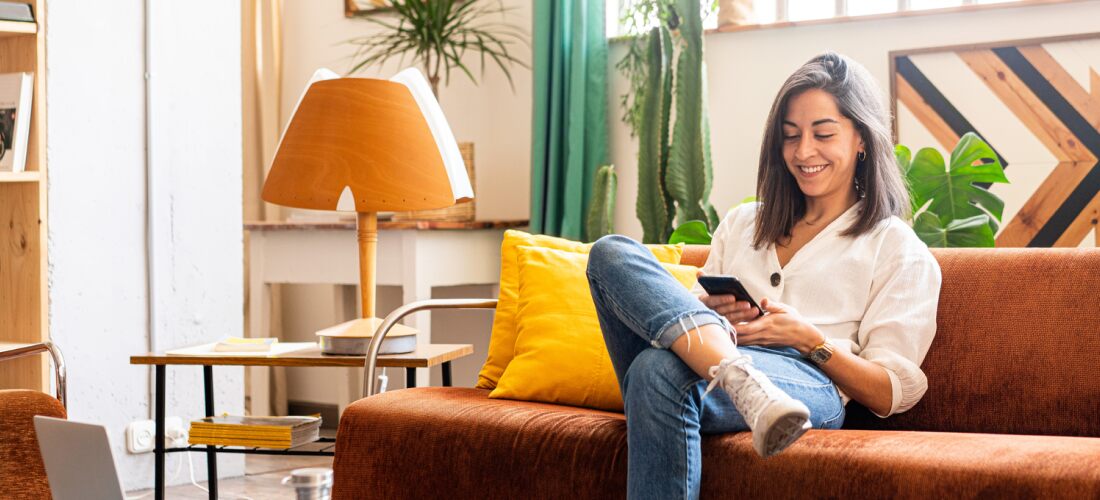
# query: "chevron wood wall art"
(1037, 103)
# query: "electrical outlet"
(140, 435)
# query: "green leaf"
(952, 193)
(601, 209)
(904, 157)
(969, 232)
(692, 232)
(437, 34)
(652, 206)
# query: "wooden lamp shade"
(367, 141)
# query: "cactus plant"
(654, 206)
(689, 174)
(674, 173)
(601, 209)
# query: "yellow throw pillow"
(503, 339)
(560, 356)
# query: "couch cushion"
(1018, 333)
(560, 355)
(420, 443)
(430, 442)
(503, 339)
(1017, 336)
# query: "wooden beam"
(1043, 203)
(1086, 104)
(1031, 111)
(1085, 222)
(925, 114)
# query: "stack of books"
(260, 432)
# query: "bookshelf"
(23, 260)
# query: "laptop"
(78, 459)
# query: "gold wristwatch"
(822, 353)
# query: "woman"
(849, 292)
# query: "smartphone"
(728, 285)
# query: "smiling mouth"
(811, 169)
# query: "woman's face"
(820, 145)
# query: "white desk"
(414, 255)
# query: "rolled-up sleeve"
(900, 321)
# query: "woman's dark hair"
(859, 99)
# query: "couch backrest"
(1016, 348)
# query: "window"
(778, 11)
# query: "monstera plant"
(950, 209)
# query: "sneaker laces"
(687, 332)
(748, 401)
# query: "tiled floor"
(262, 479)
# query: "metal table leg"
(410, 378)
(158, 436)
(446, 374)
(211, 451)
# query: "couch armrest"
(58, 363)
(401, 312)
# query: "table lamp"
(367, 145)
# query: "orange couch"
(1012, 410)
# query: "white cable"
(179, 467)
(383, 381)
(191, 470)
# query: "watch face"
(820, 355)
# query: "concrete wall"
(99, 286)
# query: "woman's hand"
(734, 310)
(782, 326)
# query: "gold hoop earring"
(862, 155)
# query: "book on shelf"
(260, 432)
(15, 120)
(16, 11)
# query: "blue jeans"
(642, 309)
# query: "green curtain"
(569, 131)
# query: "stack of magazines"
(260, 432)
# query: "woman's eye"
(824, 136)
(790, 137)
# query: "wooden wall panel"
(1035, 85)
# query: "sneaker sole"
(785, 431)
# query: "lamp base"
(353, 338)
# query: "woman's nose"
(806, 147)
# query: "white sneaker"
(776, 419)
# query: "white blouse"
(874, 294)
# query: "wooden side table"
(425, 356)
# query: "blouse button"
(775, 279)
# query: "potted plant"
(436, 35)
(674, 163)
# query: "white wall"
(97, 204)
(746, 69)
